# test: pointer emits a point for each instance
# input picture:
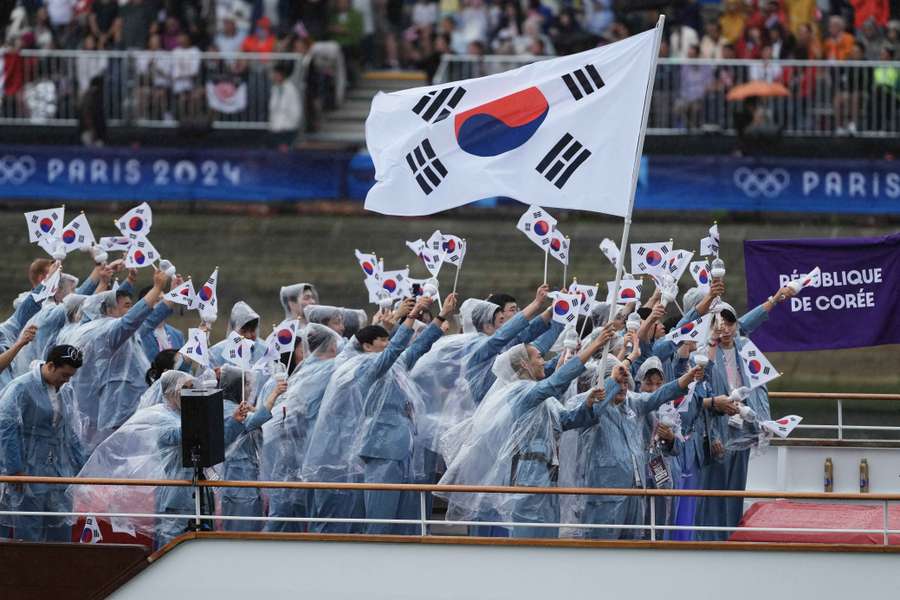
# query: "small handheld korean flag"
(45, 222)
(90, 533)
(629, 291)
(559, 247)
(141, 254)
(423, 287)
(77, 234)
(430, 258)
(51, 285)
(758, 368)
(369, 265)
(538, 225)
(136, 222)
(649, 258)
(811, 279)
(565, 307)
(117, 243)
(183, 294)
(454, 249)
(683, 403)
(207, 304)
(195, 348)
(678, 262)
(53, 246)
(237, 350)
(709, 246)
(692, 331)
(544, 133)
(285, 335)
(587, 295)
(610, 251)
(396, 283)
(699, 270)
(377, 294)
(783, 426)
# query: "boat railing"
(655, 529)
(840, 427)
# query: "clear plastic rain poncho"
(147, 446)
(286, 436)
(109, 385)
(508, 441)
(449, 383)
(331, 316)
(292, 293)
(354, 320)
(49, 320)
(241, 315)
(38, 437)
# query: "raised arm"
(430, 335)
(126, 327)
(508, 332)
(23, 340)
(667, 393)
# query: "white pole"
(620, 264)
(566, 264)
(546, 256)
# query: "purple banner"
(857, 303)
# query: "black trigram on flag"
(436, 105)
(562, 160)
(583, 82)
(428, 170)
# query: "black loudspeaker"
(202, 428)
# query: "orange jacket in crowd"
(863, 9)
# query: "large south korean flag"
(558, 133)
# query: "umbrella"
(757, 88)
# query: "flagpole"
(546, 256)
(635, 172)
(566, 264)
(458, 268)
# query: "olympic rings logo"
(761, 182)
(16, 170)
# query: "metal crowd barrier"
(424, 521)
(825, 98)
(158, 88)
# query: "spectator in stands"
(871, 37)
(696, 80)
(751, 44)
(807, 44)
(185, 78)
(765, 70)
(474, 21)
(712, 43)
(346, 28)
(598, 16)
(262, 41)
(732, 21)
(877, 10)
(90, 70)
(229, 40)
(136, 17)
(154, 70)
(431, 62)
(448, 28)
(800, 13)
(61, 12)
(104, 22)
(567, 35)
(42, 30)
(847, 82)
(364, 7)
(839, 44)
(682, 39)
(284, 109)
(884, 103)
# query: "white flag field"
(557, 133)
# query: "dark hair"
(370, 333)
(585, 325)
(501, 299)
(669, 323)
(283, 68)
(164, 361)
(286, 358)
(729, 316)
(252, 324)
(123, 294)
(644, 312)
(65, 355)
